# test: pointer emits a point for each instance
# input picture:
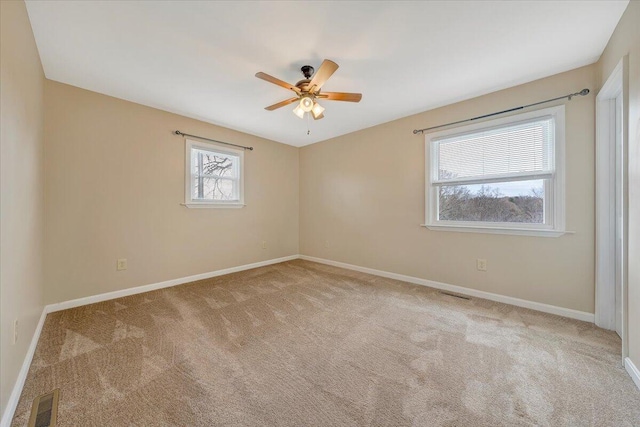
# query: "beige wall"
(362, 202)
(114, 184)
(22, 196)
(626, 41)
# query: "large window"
(213, 176)
(504, 176)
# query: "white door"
(611, 206)
(619, 211)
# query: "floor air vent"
(455, 295)
(44, 412)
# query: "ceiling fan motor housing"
(307, 70)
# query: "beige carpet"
(303, 344)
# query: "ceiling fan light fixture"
(306, 103)
(317, 110)
(307, 90)
(298, 111)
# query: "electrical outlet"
(264, 244)
(326, 243)
(122, 264)
(15, 331)
(481, 264)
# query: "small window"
(500, 176)
(214, 176)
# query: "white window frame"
(554, 186)
(188, 191)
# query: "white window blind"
(516, 151)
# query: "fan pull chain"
(308, 123)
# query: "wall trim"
(633, 372)
(12, 404)
(538, 306)
(606, 199)
(160, 285)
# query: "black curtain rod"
(213, 140)
(583, 92)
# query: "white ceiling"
(198, 59)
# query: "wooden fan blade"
(318, 117)
(321, 76)
(271, 79)
(281, 104)
(340, 96)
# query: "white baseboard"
(546, 308)
(9, 411)
(12, 404)
(17, 389)
(633, 371)
(160, 285)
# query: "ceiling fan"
(308, 90)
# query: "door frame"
(611, 144)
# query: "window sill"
(213, 205)
(496, 230)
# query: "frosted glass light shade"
(306, 103)
(298, 111)
(317, 110)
